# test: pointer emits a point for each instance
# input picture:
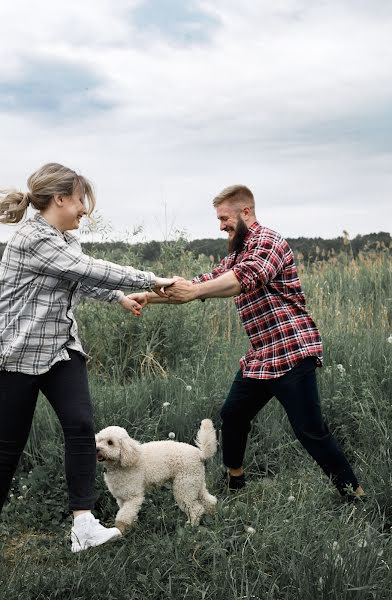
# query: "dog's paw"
(122, 526)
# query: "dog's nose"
(100, 456)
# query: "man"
(285, 344)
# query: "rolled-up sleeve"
(217, 271)
(260, 264)
(52, 256)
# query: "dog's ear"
(129, 452)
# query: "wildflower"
(341, 369)
(335, 546)
(20, 497)
(166, 404)
(250, 530)
(389, 340)
(11, 495)
(291, 499)
(188, 388)
(362, 544)
(320, 584)
(171, 435)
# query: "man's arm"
(224, 286)
(182, 291)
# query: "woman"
(42, 274)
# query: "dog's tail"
(206, 439)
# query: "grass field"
(287, 535)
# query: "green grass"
(309, 547)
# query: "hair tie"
(26, 198)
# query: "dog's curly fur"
(132, 467)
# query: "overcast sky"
(163, 103)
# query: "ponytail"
(13, 206)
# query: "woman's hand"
(134, 303)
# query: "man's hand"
(181, 291)
(134, 303)
(161, 283)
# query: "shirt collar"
(252, 229)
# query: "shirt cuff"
(117, 296)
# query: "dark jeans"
(65, 386)
(297, 392)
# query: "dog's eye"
(110, 443)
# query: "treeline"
(306, 250)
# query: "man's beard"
(236, 243)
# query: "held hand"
(140, 297)
(161, 283)
(134, 303)
(181, 291)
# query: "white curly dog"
(132, 467)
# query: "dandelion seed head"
(171, 435)
(188, 388)
(250, 530)
(320, 584)
(389, 339)
(166, 404)
(291, 499)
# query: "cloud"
(175, 20)
(52, 89)
(163, 108)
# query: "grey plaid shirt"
(43, 273)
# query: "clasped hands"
(174, 290)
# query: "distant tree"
(307, 250)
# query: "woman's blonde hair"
(49, 180)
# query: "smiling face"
(73, 208)
(233, 219)
(228, 214)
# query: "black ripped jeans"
(297, 392)
(65, 386)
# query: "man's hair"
(234, 194)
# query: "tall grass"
(287, 535)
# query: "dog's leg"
(186, 495)
(208, 500)
(128, 512)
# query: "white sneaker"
(87, 531)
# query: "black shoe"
(355, 498)
(234, 482)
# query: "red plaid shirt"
(271, 305)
